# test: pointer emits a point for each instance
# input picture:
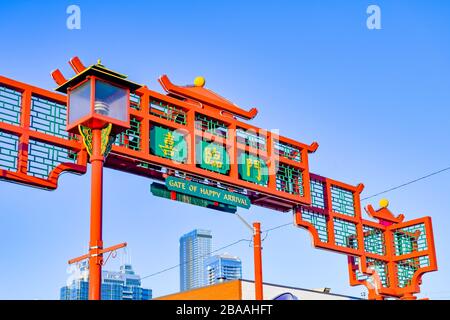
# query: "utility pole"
(257, 251)
(257, 255)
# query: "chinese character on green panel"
(253, 169)
(213, 157)
(168, 144)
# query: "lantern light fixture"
(96, 97)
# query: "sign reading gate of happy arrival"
(207, 192)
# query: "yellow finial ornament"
(199, 81)
(384, 203)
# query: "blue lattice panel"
(290, 180)
(135, 101)
(356, 262)
(251, 139)
(329, 200)
(424, 261)
(210, 125)
(377, 272)
(34, 145)
(406, 270)
(288, 151)
(402, 261)
(319, 221)
(345, 233)
(9, 147)
(167, 111)
(342, 201)
(10, 105)
(317, 194)
(410, 239)
(381, 269)
(44, 157)
(48, 117)
(374, 240)
(130, 138)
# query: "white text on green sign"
(207, 192)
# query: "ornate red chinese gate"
(195, 134)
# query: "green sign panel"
(253, 169)
(212, 156)
(206, 192)
(168, 143)
(160, 190)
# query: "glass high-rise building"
(116, 285)
(224, 267)
(195, 248)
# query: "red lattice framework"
(388, 256)
(35, 149)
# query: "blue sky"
(377, 101)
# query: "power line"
(274, 228)
(406, 184)
(192, 260)
(278, 227)
(290, 223)
(380, 193)
(222, 248)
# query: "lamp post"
(98, 101)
